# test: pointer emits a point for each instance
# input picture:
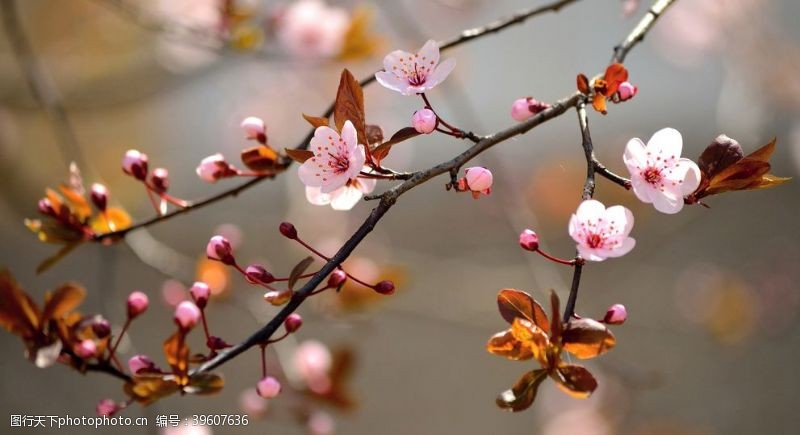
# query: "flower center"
(338, 163)
(416, 77)
(594, 240)
(652, 175)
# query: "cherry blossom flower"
(343, 198)
(311, 29)
(658, 174)
(312, 360)
(336, 164)
(410, 73)
(601, 232)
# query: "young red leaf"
(506, 345)
(720, 154)
(177, 353)
(555, 317)
(381, 151)
(349, 106)
(316, 121)
(583, 84)
(341, 370)
(298, 270)
(299, 156)
(523, 393)
(63, 300)
(204, 384)
(146, 389)
(587, 338)
(616, 73)
(575, 380)
(18, 313)
(374, 134)
(514, 303)
(259, 158)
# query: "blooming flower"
(658, 174)
(343, 198)
(312, 360)
(311, 29)
(411, 74)
(601, 232)
(337, 159)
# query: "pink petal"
(428, 53)
(590, 209)
(669, 201)
(590, 254)
(622, 219)
(390, 81)
(395, 62)
(346, 198)
(692, 179)
(350, 137)
(440, 73)
(618, 251)
(308, 173)
(635, 156)
(315, 196)
(320, 139)
(667, 142)
(643, 190)
(334, 182)
(365, 185)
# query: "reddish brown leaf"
(316, 121)
(504, 344)
(18, 313)
(720, 154)
(299, 156)
(583, 84)
(259, 158)
(374, 134)
(599, 103)
(341, 370)
(204, 384)
(147, 389)
(381, 151)
(587, 338)
(555, 318)
(115, 219)
(298, 270)
(575, 380)
(349, 106)
(514, 303)
(77, 202)
(616, 73)
(177, 353)
(523, 393)
(63, 300)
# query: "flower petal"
(346, 198)
(666, 142)
(365, 185)
(692, 179)
(333, 182)
(397, 63)
(315, 196)
(620, 218)
(428, 55)
(308, 173)
(625, 245)
(591, 209)
(440, 73)
(635, 156)
(668, 201)
(643, 190)
(349, 136)
(390, 81)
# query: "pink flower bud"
(479, 180)
(529, 240)
(424, 121)
(101, 327)
(268, 387)
(337, 278)
(213, 168)
(321, 423)
(200, 293)
(626, 91)
(218, 248)
(255, 129)
(141, 363)
(106, 407)
(86, 349)
(256, 274)
(135, 164)
(99, 196)
(385, 287)
(520, 110)
(160, 179)
(293, 322)
(186, 315)
(288, 230)
(137, 304)
(616, 314)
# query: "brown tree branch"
(638, 33)
(463, 37)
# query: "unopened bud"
(160, 179)
(616, 314)
(141, 363)
(529, 240)
(200, 293)
(99, 196)
(268, 387)
(186, 315)
(256, 274)
(288, 230)
(86, 349)
(219, 248)
(293, 322)
(135, 164)
(137, 304)
(337, 278)
(384, 287)
(101, 327)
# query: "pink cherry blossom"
(424, 121)
(214, 167)
(658, 173)
(86, 349)
(312, 361)
(626, 91)
(343, 198)
(268, 387)
(321, 423)
(337, 159)
(186, 315)
(410, 73)
(601, 232)
(616, 314)
(311, 29)
(254, 127)
(478, 180)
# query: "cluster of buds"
(136, 165)
(260, 159)
(477, 180)
(527, 107)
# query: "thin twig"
(638, 33)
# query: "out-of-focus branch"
(463, 37)
(40, 84)
(638, 33)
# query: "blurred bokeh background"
(712, 339)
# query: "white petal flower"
(658, 173)
(601, 232)
(343, 198)
(410, 73)
(337, 159)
